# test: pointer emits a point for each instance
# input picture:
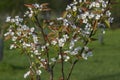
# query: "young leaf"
(107, 23)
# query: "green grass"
(104, 65)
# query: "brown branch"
(72, 67)
(51, 74)
(62, 58)
(109, 1)
(45, 41)
(62, 64)
(74, 63)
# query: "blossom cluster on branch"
(63, 39)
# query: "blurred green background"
(104, 65)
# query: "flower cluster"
(17, 20)
(22, 35)
(82, 18)
(35, 8)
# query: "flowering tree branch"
(64, 39)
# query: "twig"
(62, 64)
(51, 74)
(44, 37)
(45, 41)
(38, 77)
(62, 59)
(74, 63)
(109, 1)
(72, 67)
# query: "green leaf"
(64, 14)
(107, 23)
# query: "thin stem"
(50, 70)
(41, 29)
(51, 74)
(109, 1)
(72, 67)
(45, 41)
(33, 70)
(74, 63)
(62, 59)
(86, 42)
(38, 77)
(52, 67)
(62, 64)
(30, 62)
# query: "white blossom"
(8, 19)
(12, 46)
(14, 38)
(80, 1)
(86, 48)
(97, 4)
(85, 20)
(51, 23)
(53, 59)
(66, 58)
(103, 32)
(36, 5)
(100, 0)
(69, 15)
(54, 42)
(12, 20)
(83, 16)
(26, 13)
(72, 44)
(61, 42)
(84, 0)
(43, 48)
(38, 72)
(74, 52)
(86, 55)
(59, 57)
(73, 26)
(74, 8)
(65, 37)
(65, 22)
(108, 13)
(35, 39)
(104, 5)
(12, 33)
(6, 34)
(36, 52)
(47, 44)
(31, 55)
(30, 15)
(32, 29)
(68, 7)
(111, 19)
(60, 18)
(26, 74)
(97, 17)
